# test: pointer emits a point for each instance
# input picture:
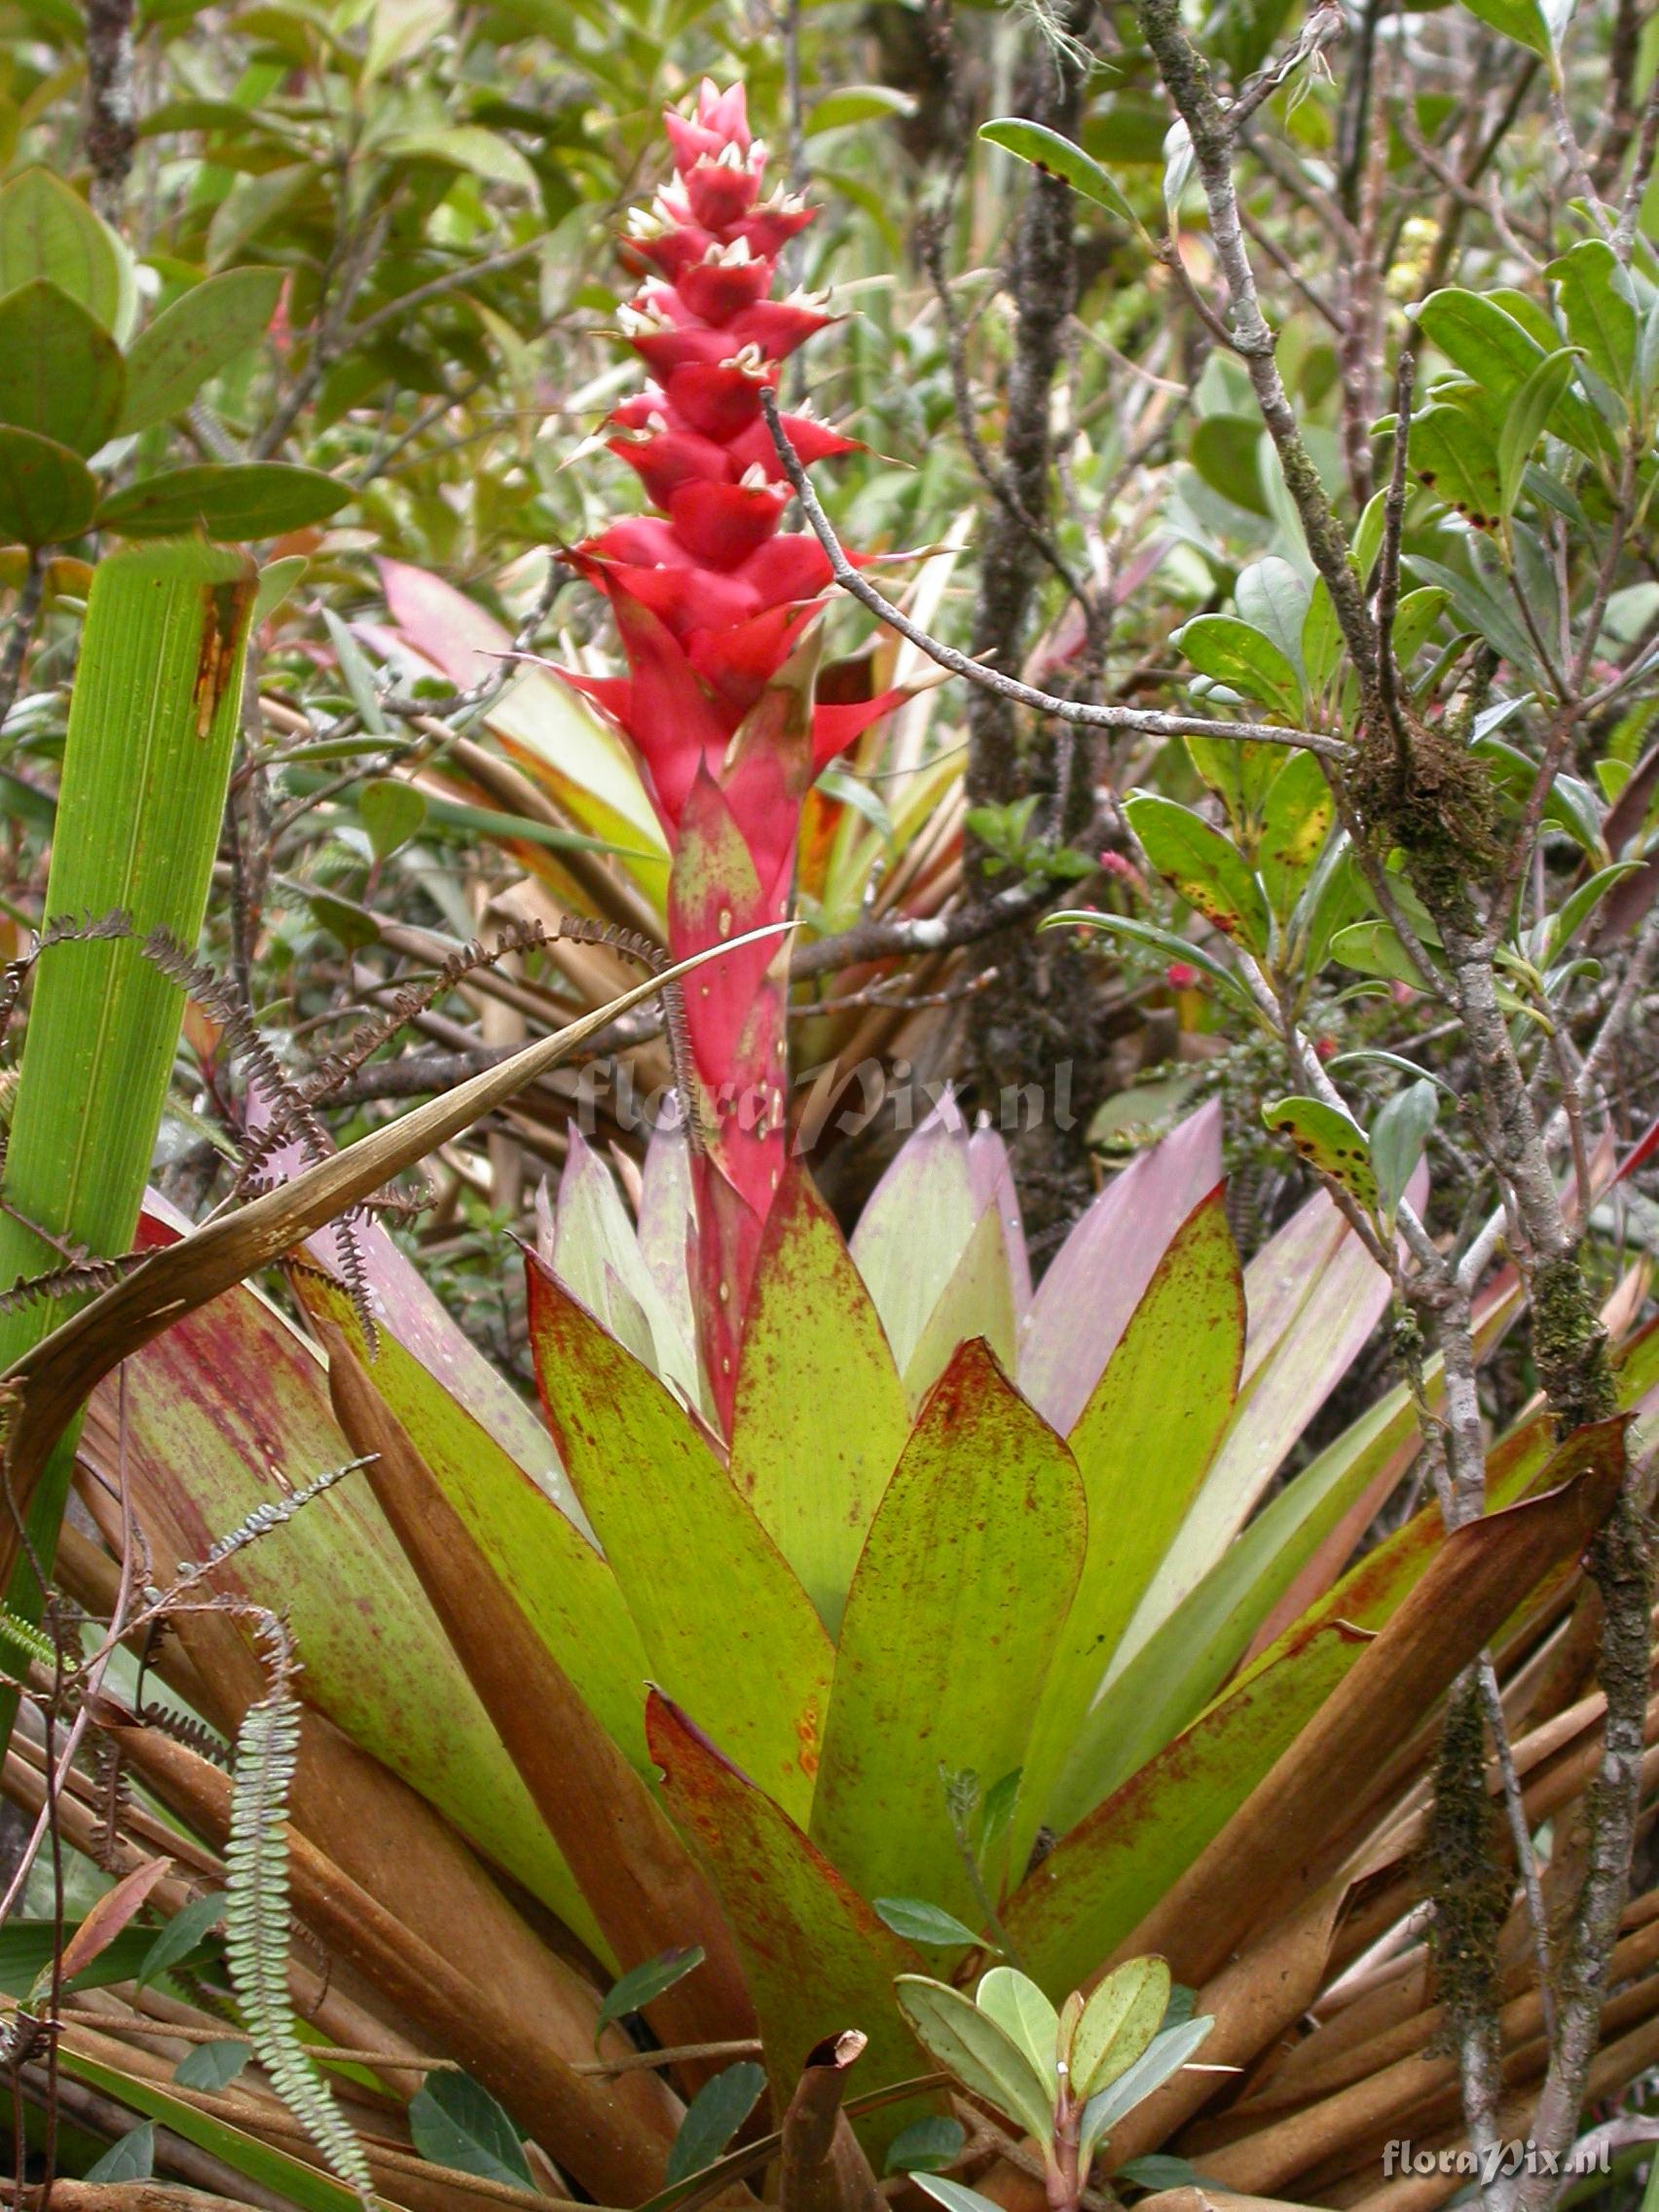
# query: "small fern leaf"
(22, 1635)
(256, 1930)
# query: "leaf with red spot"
(727, 1628)
(961, 1592)
(1208, 871)
(817, 1960)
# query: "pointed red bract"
(711, 600)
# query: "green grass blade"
(154, 715)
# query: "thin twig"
(1086, 713)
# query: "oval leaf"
(455, 2123)
(1329, 1141)
(1054, 155)
(1199, 863)
(714, 2116)
(47, 492)
(258, 499)
(981, 2055)
(203, 330)
(61, 371)
(1120, 2020)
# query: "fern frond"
(115, 1796)
(256, 1929)
(259, 1523)
(184, 1728)
(22, 1635)
(77, 1277)
(62, 929)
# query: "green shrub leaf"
(919, 1922)
(1123, 2013)
(200, 334)
(641, 1985)
(61, 371)
(258, 499)
(1054, 155)
(1200, 863)
(456, 2123)
(47, 492)
(980, 2053)
(1328, 1140)
(714, 2116)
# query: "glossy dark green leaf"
(714, 2116)
(637, 1988)
(454, 2122)
(1199, 863)
(47, 493)
(61, 371)
(260, 499)
(200, 334)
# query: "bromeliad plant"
(877, 1623)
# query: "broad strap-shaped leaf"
(1182, 1666)
(817, 1960)
(1142, 1446)
(1100, 1273)
(644, 1892)
(559, 1581)
(597, 1255)
(820, 1416)
(1331, 1311)
(1276, 1847)
(915, 1226)
(963, 1583)
(1077, 1907)
(727, 1629)
(229, 1412)
(976, 1301)
(53, 1378)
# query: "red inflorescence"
(712, 598)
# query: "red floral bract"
(714, 604)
